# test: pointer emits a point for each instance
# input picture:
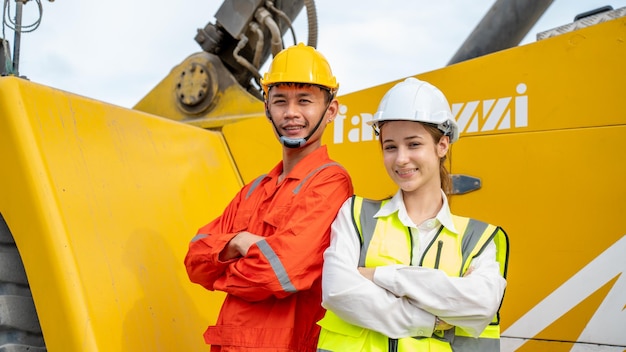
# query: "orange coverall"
(274, 291)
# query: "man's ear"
(267, 111)
(332, 110)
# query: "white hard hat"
(415, 100)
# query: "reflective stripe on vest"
(447, 251)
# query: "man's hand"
(239, 245)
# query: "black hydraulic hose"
(311, 15)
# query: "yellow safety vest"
(448, 251)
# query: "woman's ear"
(442, 146)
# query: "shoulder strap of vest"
(472, 235)
(476, 237)
(501, 240)
(363, 211)
(356, 213)
(476, 232)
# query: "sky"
(116, 51)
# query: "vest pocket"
(333, 323)
(338, 335)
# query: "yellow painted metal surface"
(570, 81)
(102, 202)
(222, 99)
(253, 145)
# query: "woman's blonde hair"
(444, 174)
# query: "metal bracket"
(462, 184)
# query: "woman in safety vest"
(404, 274)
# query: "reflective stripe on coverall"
(273, 293)
(336, 334)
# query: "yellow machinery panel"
(199, 93)
(570, 81)
(560, 196)
(253, 146)
(102, 202)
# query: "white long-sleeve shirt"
(403, 300)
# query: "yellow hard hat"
(300, 64)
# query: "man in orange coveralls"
(266, 249)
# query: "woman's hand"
(368, 273)
(442, 325)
